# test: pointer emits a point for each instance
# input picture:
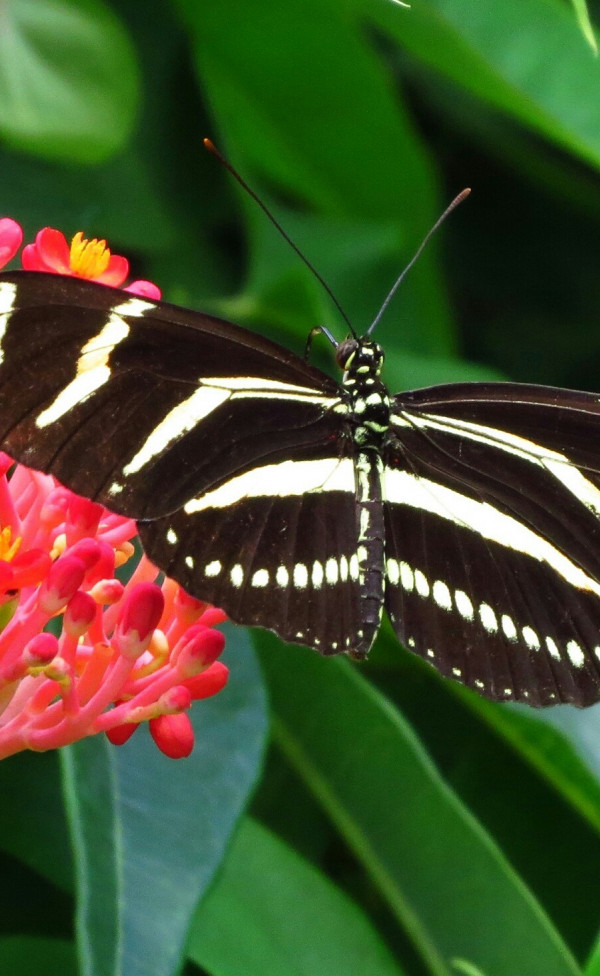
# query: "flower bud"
(80, 614)
(54, 507)
(176, 699)
(139, 617)
(40, 650)
(213, 616)
(147, 289)
(88, 550)
(107, 591)
(173, 734)
(11, 237)
(83, 517)
(64, 578)
(197, 650)
(121, 733)
(104, 567)
(210, 682)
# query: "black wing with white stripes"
(226, 447)
(139, 404)
(470, 511)
(494, 491)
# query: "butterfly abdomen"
(370, 547)
(369, 408)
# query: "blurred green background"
(386, 822)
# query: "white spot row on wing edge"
(400, 573)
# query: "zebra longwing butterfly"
(471, 512)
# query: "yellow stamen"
(160, 650)
(57, 670)
(88, 259)
(59, 546)
(8, 549)
(124, 551)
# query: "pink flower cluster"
(80, 651)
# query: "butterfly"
(307, 505)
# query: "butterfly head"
(359, 357)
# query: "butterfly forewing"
(141, 405)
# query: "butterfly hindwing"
(275, 547)
(493, 538)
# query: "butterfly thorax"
(366, 395)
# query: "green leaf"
(47, 195)
(28, 956)
(372, 167)
(149, 833)
(550, 752)
(271, 912)
(68, 80)
(580, 777)
(518, 776)
(464, 967)
(525, 58)
(433, 862)
(585, 24)
(32, 824)
(410, 371)
(592, 967)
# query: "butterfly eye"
(345, 353)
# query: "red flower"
(82, 259)
(11, 236)
(126, 654)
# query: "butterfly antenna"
(458, 199)
(225, 162)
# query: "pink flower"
(82, 259)
(126, 653)
(11, 236)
